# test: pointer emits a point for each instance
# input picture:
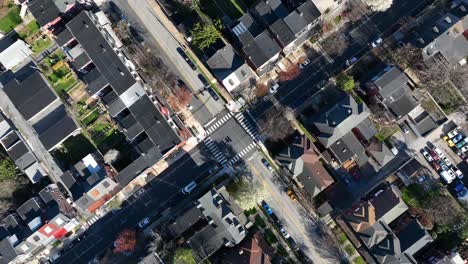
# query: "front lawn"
(10, 20)
(40, 44)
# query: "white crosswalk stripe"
(213, 148)
(247, 125)
(219, 123)
(242, 153)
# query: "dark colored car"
(213, 93)
(205, 83)
(267, 208)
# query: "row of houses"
(268, 31)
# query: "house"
(230, 68)
(392, 89)
(305, 166)
(48, 13)
(444, 37)
(32, 96)
(379, 151)
(332, 124)
(214, 222)
(15, 54)
(371, 222)
(257, 45)
(252, 250)
(95, 56)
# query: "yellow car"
(291, 195)
(449, 141)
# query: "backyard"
(29, 30)
(58, 73)
(217, 9)
(11, 19)
(40, 44)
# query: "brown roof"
(316, 170)
(362, 218)
(252, 250)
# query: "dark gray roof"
(380, 152)
(25, 161)
(7, 251)
(10, 139)
(44, 11)
(402, 105)
(30, 209)
(347, 147)
(425, 124)
(366, 129)
(31, 95)
(391, 82)
(187, 220)
(282, 32)
(17, 150)
(246, 28)
(58, 132)
(95, 81)
(143, 162)
(63, 37)
(388, 250)
(374, 234)
(300, 18)
(334, 123)
(265, 13)
(100, 52)
(84, 202)
(8, 39)
(224, 62)
(261, 49)
(80, 61)
(413, 237)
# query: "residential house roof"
(7, 251)
(380, 152)
(30, 95)
(402, 105)
(44, 11)
(261, 49)
(100, 52)
(15, 54)
(444, 34)
(413, 237)
(8, 39)
(334, 123)
(252, 250)
(348, 147)
(300, 18)
(391, 82)
(187, 220)
(305, 165)
(366, 129)
(388, 250)
(374, 234)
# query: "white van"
(448, 178)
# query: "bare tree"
(274, 124)
(290, 73)
(335, 44)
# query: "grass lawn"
(65, 84)
(74, 149)
(29, 30)
(51, 60)
(259, 221)
(11, 20)
(349, 250)
(108, 140)
(41, 44)
(90, 118)
(342, 238)
(270, 237)
(359, 260)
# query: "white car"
(144, 222)
(458, 173)
(427, 156)
(377, 42)
(284, 233)
(274, 88)
(189, 188)
(464, 149)
(439, 153)
(452, 174)
(304, 64)
(452, 133)
(447, 161)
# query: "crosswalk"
(241, 154)
(214, 149)
(247, 125)
(92, 220)
(218, 123)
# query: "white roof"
(91, 164)
(15, 54)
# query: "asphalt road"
(140, 13)
(291, 213)
(162, 193)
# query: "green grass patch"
(412, 195)
(29, 30)
(359, 260)
(183, 256)
(108, 140)
(90, 118)
(66, 83)
(250, 211)
(349, 250)
(306, 132)
(54, 58)
(11, 20)
(74, 149)
(270, 237)
(342, 238)
(259, 221)
(40, 44)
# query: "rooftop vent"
(420, 40)
(448, 20)
(435, 29)
(349, 111)
(462, 8)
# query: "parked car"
(457, 138)
(434, 155)
(452, 174)
(435, 165)
(404, 127)
(421, 179)
(460, 189)
(267, 165)
(447, 161)
(284, 232)
(274, 88)
(446, 177)
(452, 133)
(213, 93)
(213, 169)
(291, 195)
(449, 141)
(204, 81)
(457, 172)
(189, 188)
(439, 152)
(377, 43)
(304, 64)
(462, 143)
(427, 156)
(144, 222)
(267, 208)
(464, 149)
(351, 61)
(443, 166)
(139, 192)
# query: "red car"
(434, 155)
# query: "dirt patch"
(78, 93)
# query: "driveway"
(291, 213)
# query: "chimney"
(435, 29)
(241, 251)
(462, 8)
(420, 40)
(448, 20)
